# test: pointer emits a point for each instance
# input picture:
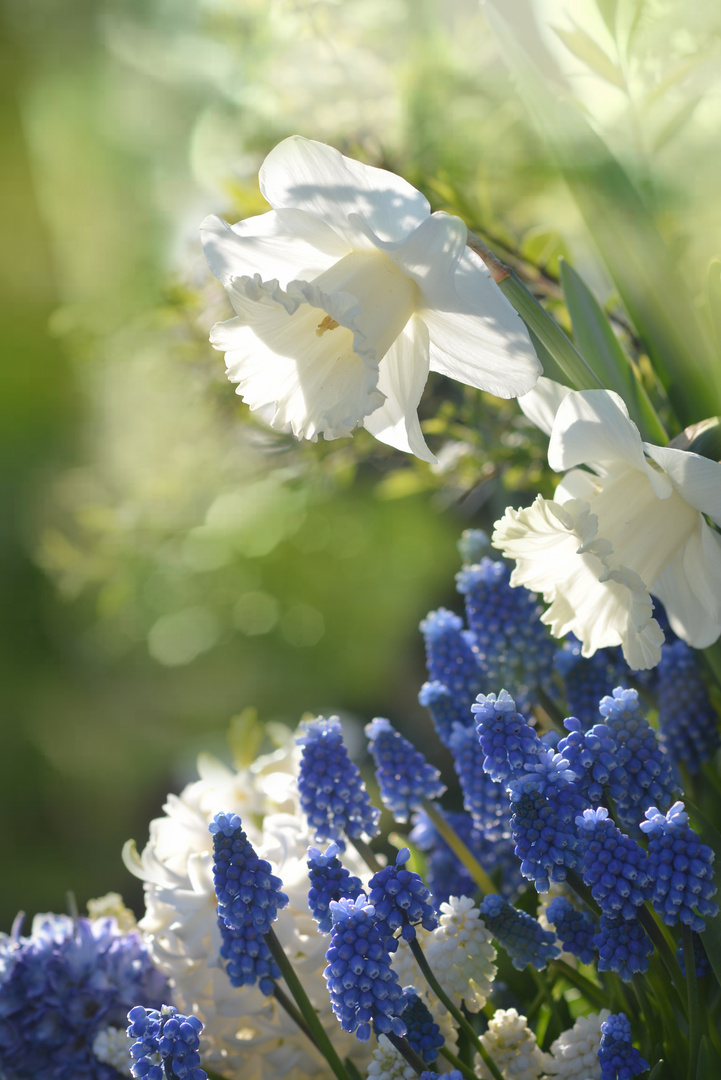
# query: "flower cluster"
(332, 793)
(166, 1044)
(65, 990)
(404, 776)
(401, 901)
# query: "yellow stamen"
(326, 324)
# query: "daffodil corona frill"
(632, 527)
(347, 293)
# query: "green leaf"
(544, 248)
(607, 9)
(675, 124)
(585, 49)
(713, 295)
(602, 351)
(644, 271)
(708, 1059)
(658, 1072)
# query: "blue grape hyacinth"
(614, 865)
(166, 1044)
(574, 929)
(687, 720)
(618, 1057)
(484, 798)
(329, 880)
(680, 868)
(61, 987)
(404, 776)
(512, 644)
(650, 776)
(507, 741)
(423, 1032)
(623, 946)
(332, 793)
(248, 891)
(364, 988)
(401, 901)
(545, 803)
(522, 936)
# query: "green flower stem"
(307, 1011)
(453, 1009)
(664, 950)
(367, 855)
(594, 993)
(457, 1063)
(285, 1003)
(404, 1048)
(575, 369)
(457, 846)
(576, 882)
(545, 989)
(694, 1017)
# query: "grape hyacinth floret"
(619, 1058)
(507, 741)
(574, 1053)
(650, 777)
(587, 679)
(591, 756)
(483, 797)
(614, 865)
(522, 936)
(401, 901)
(332, 794)
(544, 805)
(249, 960)
(423, 1032)
(62, 987)
(450, 658)
(687, 720)
(404, 776)
(245, 886)
(329, 880)
(363, 987)
(681, 869)
(461, 953)
(166, 1046)
(512, 645)
(623, 946)
(574, 929)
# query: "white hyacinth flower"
(513, 1047)
(574, 1054)
(347, 293)
(112, 1046)
(631, 527)
(461, 953)
(387, 1063)
(245, 1033)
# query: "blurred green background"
(166, 561)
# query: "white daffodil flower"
(347, 292)
(632, 526)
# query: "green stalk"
(285, 1003)
(366, 854)
(453, 1009)
(664, 950)
(307, 1011)
(404, 1048)
(694, 1017)
(589, 989)
(451, 837)
(457, 1063)
(578, 374)
(545, 989)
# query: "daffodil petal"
(317, 178)
(594, 426)
(282, 244)
(576, 484)
(690, 588)
(401, 377)
(697, 479)
(320, 380)
(559, 554)
(541, 403)
(476, 336)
